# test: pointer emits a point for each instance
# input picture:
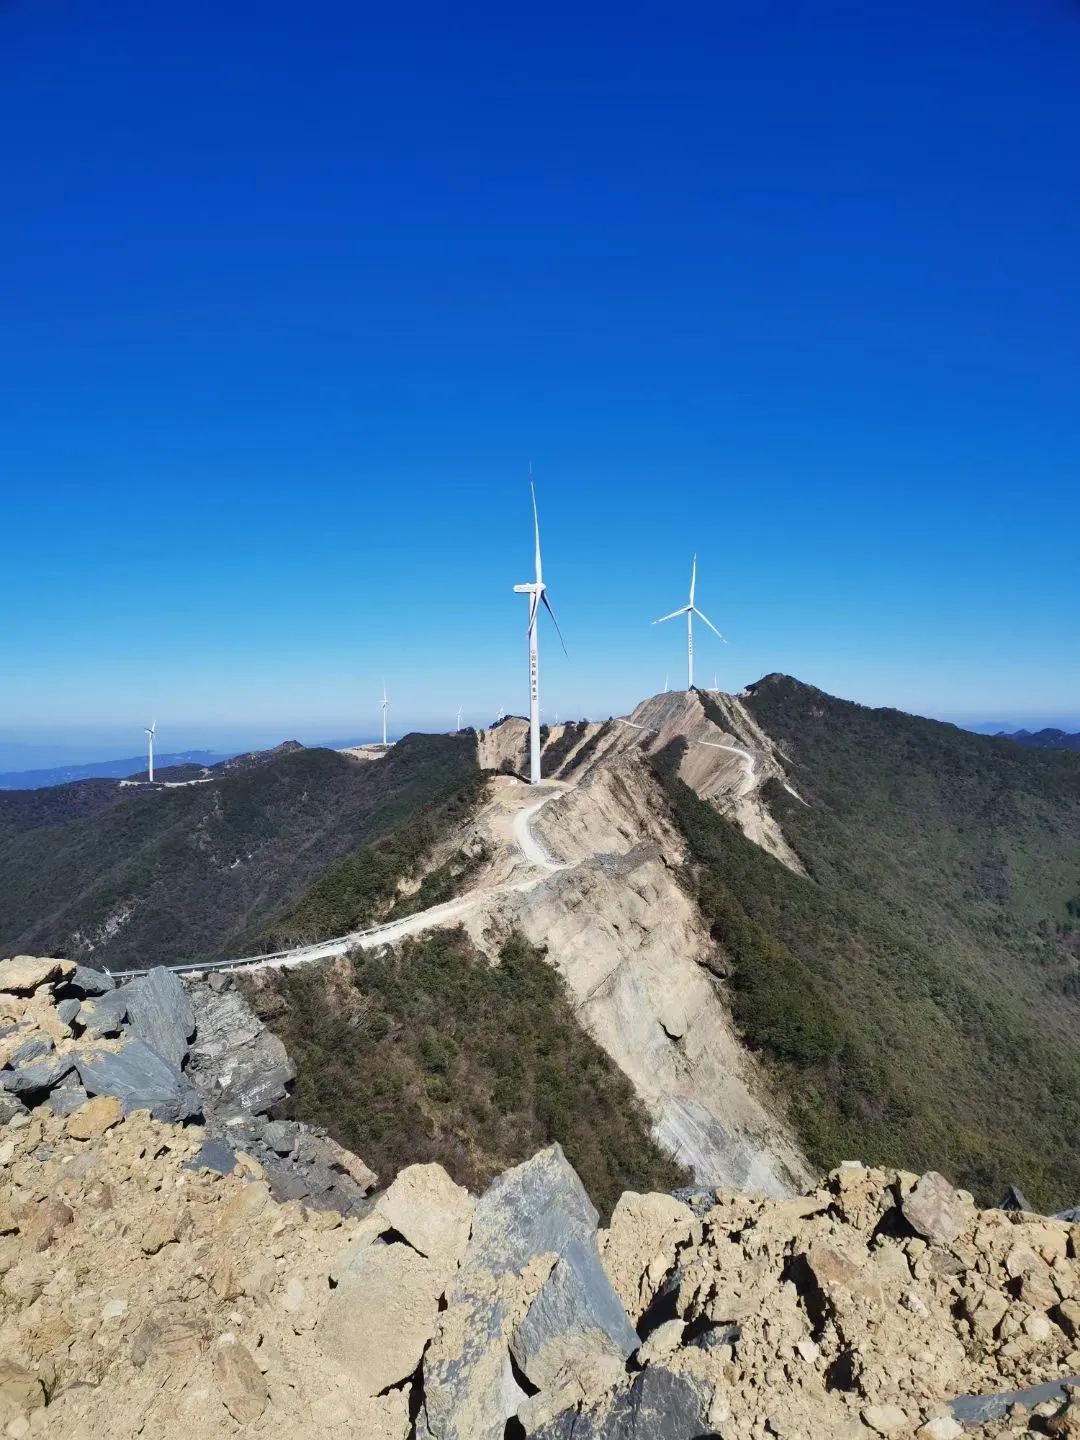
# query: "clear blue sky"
(293, 293)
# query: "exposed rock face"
(233, 1056)
(628, 940)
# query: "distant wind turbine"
(690, 611)
(459, 717)
(150, 732)
(537, 593)
(667, 683)
(385, 708)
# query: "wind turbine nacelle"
(527, 589)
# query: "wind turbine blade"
(534, 605)
(693, 580)
(702, 616)
(551, 612)
(536, 530)
(674, 615)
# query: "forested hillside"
(133, 876)
(914, 990)
(431, 1052)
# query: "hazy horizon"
(51, 746)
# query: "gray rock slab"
(935, 1210)
(212, 1155)
(87, 981)
(576, 1305)
(68, 1010)
(539, 1208)
(10, 1106)
(36, 1047)
(42, 1074)
(234, 1060)
(979, 1409)
(103, 1014)
(281, 1136)
(657, 1405)
(140, 1078)
(66, 1098)
(160, 1014)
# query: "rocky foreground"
(148, 1287)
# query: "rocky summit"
(158, 1279)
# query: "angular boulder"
(574, 1338)
(159, 1013)
(22, 974)
(35, 1047)
(281, 1135)
(532, 1215)
(93, 1117)
(936, 1211)
(10, 1106)
(66, 1098)
(432, 1212)
(640, 1246)
(85, 981)
(103, 1014)
(382, 1314)
(67, 1011)
(42, 1074)
(139, 1077)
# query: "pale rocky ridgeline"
(625, 933)
(143, 1293)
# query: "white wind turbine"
(385, 708)
(690, 611)
(537, 593)
(151, 730)
(459, 717)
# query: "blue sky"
(294, 294)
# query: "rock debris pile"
(182, 1052)
(145, 1292)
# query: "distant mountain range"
(106, 769)
(134, 874)
(1049, 739)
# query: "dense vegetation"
(430, 1052)
(908, 989)
(363, 888)
(133, 877)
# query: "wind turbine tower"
(690, 611)
(150, 732)
(459, 717)
(537, 593)
(385, 708)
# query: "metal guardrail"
(320, 947)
